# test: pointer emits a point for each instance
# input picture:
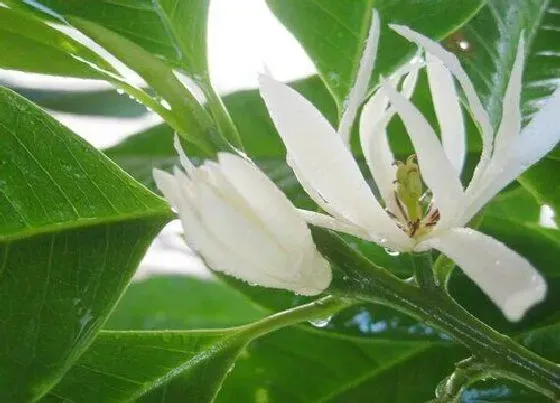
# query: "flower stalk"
(423, 270)
(367, 282)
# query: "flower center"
(415, 213)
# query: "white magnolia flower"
(327, 170)
(243, 225)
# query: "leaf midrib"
(85, 223)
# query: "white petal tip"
(318, 280)
(515, 307)
(161, 178)
(400, 29)
(266, 78)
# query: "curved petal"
(451, 62)
(541, 134)
(375, 146)
(409, 82)
(234, 225)
(168, 186)
(510, 123)
(437, 172)
(358, 92)
(328, 222)
(268, 202)
(507, 278)
(323, 159)
(538, 138)
(448, 111)
(374, 142)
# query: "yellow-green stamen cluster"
(414, 218)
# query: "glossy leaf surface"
(333, 32)
(73, 230)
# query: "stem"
(466, 373)
(221, 115)
(317, 309)
(357, 277)
(436, 308)
(423, 270)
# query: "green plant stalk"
(221, 116)
(437, 309)
(318, 309)
(466, 373)
(423, 270)
(363, 280)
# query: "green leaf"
(184, 113)
(298, 365)
(152, 304)
(122, 366)
(544, 186)
(333, 32)
(174, 29)
(284, 366)
(73, 230)
(93, 103)
(46, 49)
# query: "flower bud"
(242, 225)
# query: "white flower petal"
(236, 227)
(537, 139)
(510, 124)
(167, 184)
(358, 92)
(437, 172)
(323, 159)
(409, 83)
(507, 278)
(541, 134)
(452, 63)
(374, 141)
(328, 222)
(448, 111)
(267, 201)
(375, 146)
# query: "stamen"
(417, 212)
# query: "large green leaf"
(299, 365)
(333, 32)
(30, 45)
(107, 103)
(184, 112)
(122, 366)
(152, 304)
(174, 29)
(73, 230)
(288, 365)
